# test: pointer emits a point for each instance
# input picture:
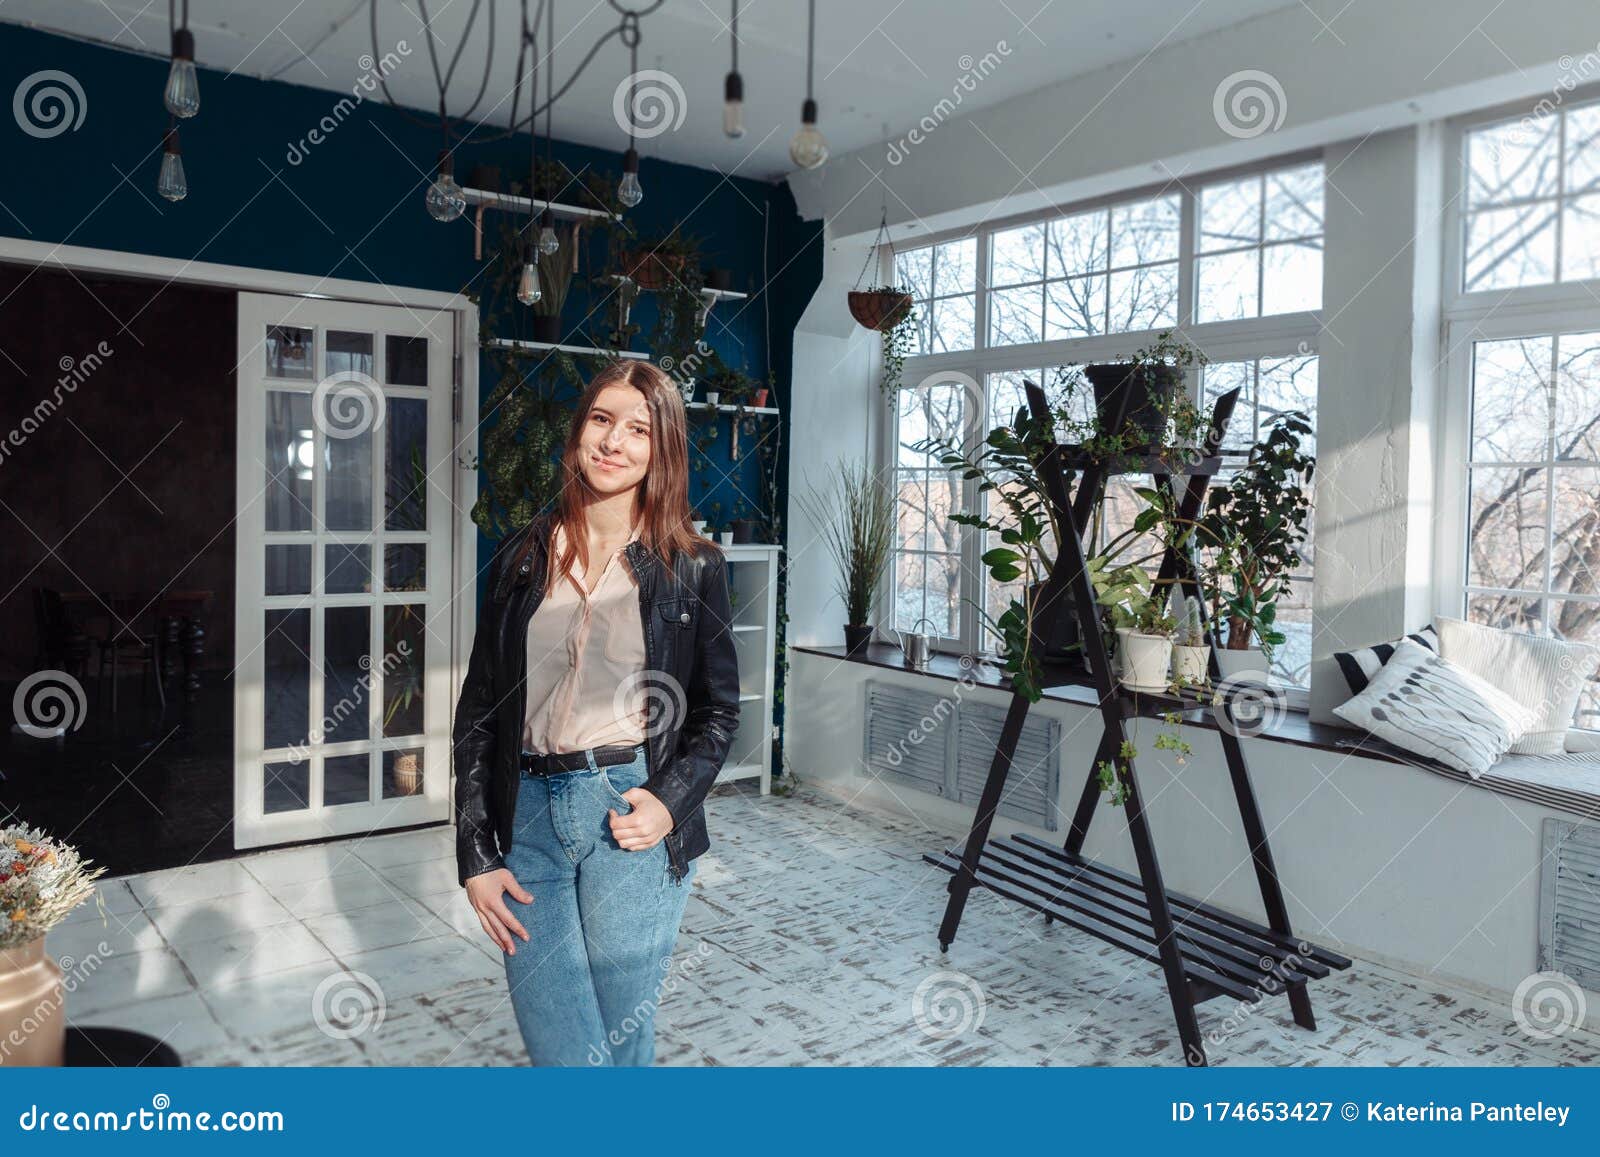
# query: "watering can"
(918, 648)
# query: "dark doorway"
(117, 480)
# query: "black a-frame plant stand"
(1203, 951)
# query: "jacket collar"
(643, 560)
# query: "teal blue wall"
(352, 205)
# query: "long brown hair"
(661, 503)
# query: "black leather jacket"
(688, 641)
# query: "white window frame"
(1277, 335)
(1484, 315)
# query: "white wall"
(1391, 863)
(1394, 862)
(1347, 68)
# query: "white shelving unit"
(753, 586)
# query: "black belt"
(549, 763)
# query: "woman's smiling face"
(615, 443)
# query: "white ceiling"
(879, 62)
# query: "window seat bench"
(1568, 782)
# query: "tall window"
(1531, 197)
(1235, 262)
(1521, 530)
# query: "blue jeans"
(602, 925)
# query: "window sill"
(1522, 777)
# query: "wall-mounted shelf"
(483, 199)
(708, 297)
(730, 408)
(539, 347)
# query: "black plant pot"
(744, 530)
(1060, 641)
(856, 638)
(717, 278)
(1151, 390)
(547, 328)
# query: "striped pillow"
(1360, 666)
(1543, 673)
(1425, 704)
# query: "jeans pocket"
(624, 771)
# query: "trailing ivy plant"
(899, 340)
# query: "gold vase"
(33, 1013)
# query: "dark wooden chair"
(60, 644)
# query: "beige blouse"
(583, 647)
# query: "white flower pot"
(1148, 659)
(1189, 663)
(1246, 661)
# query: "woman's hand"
(485, 894)
(645, 826)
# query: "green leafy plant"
(1020, 515)
(1079, 420)
(1254, 527)
(856, 515)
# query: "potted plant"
(760, 393)
(1254, 527)
(659, 263)
(1143, 628)
(698, 520)
(1153, 381)
(41, 880)
(856, 516)
(1190, 651)
(887, 310)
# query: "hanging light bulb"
(172, 184)
(183, 84)
(808, 149)
(548, 241)
(629, 191)
(528, 290)
(445, 200)
(733, 105)
(733, 87)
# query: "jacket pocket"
(679, 613)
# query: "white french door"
(344, 539)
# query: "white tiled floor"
(808, 939)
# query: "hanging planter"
(879, 309)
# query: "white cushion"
(1425, 704)
(1540, 672)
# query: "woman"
(599, 704)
